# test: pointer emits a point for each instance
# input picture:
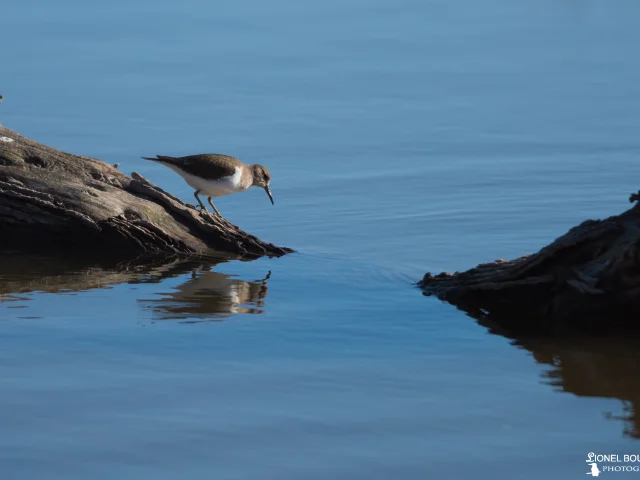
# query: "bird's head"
(262, 178)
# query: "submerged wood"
(587, 280)
(50, 198)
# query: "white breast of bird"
(216, 188)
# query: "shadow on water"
(585, 366)
(206, 295)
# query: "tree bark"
(49, 198)
(587, 280)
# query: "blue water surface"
(402, 137)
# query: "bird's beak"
(266, 189)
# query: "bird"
(216, 175)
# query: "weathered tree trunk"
(52, 198)
(588, 279)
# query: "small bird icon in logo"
(594, 470)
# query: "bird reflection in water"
(209, 296)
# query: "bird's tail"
(159, 158)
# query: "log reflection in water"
(603, 367)
(204, 294)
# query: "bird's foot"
(206, 213)
(203, 211)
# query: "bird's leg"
(214, 207)
(195, 194)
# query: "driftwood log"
(586, 280)
(52, 198)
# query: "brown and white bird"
(216, 175)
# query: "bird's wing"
(207, 166)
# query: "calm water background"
(403, 137)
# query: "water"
(403, 137)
